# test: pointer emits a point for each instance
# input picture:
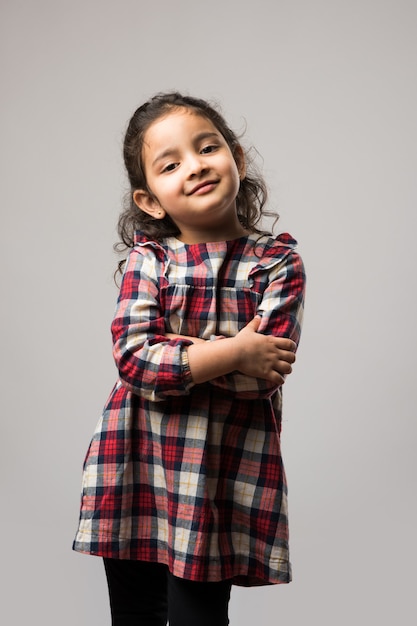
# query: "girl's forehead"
(177, 124)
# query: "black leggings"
(146, 594)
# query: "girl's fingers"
(285, 368)
(285, 344)
(286, 355)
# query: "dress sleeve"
(149, 365)
(281, 309)
(282, 304)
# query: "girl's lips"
(205, 187)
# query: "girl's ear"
(148, 204)
(239, 156)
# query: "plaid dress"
(184, 474)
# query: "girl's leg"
(138, 592)
(198, 604)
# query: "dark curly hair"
(252, 194)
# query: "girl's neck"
(215, 235)
(227, 231)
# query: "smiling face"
(192, 176)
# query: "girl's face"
(192, 176)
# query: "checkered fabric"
(184, 474)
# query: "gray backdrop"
(327, 92)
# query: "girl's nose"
(196, 165)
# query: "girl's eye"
(169, 167)
(208, 149)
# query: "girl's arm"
(250, 353)
(149, 365)
(155, 366)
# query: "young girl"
(184, 491)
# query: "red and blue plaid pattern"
(183, 474)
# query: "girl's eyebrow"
(163, 155)
(200, 137)
(205, 135)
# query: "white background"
(327, 91)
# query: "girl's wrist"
(214, 359)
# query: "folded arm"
(249, 352)
(155, 364)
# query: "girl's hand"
(264, 356)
